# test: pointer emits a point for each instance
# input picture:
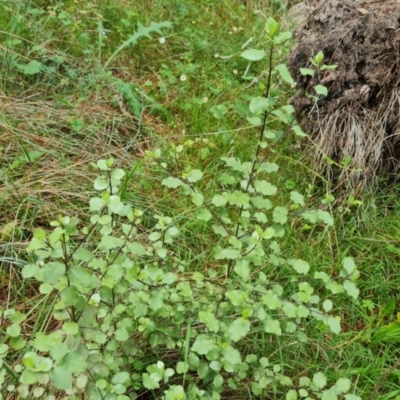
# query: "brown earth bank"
(357, 125)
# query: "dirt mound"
(358, 123)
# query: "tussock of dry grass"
(62, 177)
(362, 138)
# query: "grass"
(55, 123)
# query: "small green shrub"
(130, 317)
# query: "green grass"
(71, 114)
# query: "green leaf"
(297, 198)
(320, 89)
(254, 55)
(237, 198)
(291, 395)
(74, 363)
(269, 167)
(334, 324)
(203, 214)
(172, 182)
(319, 57)
(209, 319)
(300, 266)
(319, 380)
(329, 395)
(111, 242)
(349, 265)
(32, 68)
(307, 71)
(332, 66)
(53, 272)
(273, 326)
(14, 330)
(272, 27)
(195, 175)
(280, 214)
(265, 188)
(351, 289)
(202, 345)
(149, 383)
(182, 367)
(218, 381)
(298, 131)
(239, 329)
(261, 203)
(284, 73)
(81, 277)
(197, 199)
(342, 385)
(69, 295)
(242, 269)
(327, 305)
(83, 255)
(70, 328)
(231, 355)
(136, 248)
(226, 254)
(352, 397)
(283, 37)
(219, 200)
(255, 121)
(260, 104)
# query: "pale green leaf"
(284, 73)
(202, 345)
(203, 214)
(273, 326)
(239, 329)
(253, 54)
(61, 378)
(320, 89)
(231, 355)
(300, 266)
(329, 395)
(260, 104)
(334, 324)
(53, 272)
(197, 199)
(269, 167)
(32, 68)
(172, 182)
(352, 397)
(136, 248)
(280, 214)
(349, 265)
(307, 71)
(265, 188)
(327, 305)
(195, 175)
(319, 380)
(209, 319)
(297, 198)
(298, 131)
(342, 385)
(272, 27)
(351, 289)
(219, 200)
(74, 363)
(242, 269)
(70, 328)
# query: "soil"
(359, 120)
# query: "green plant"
(131, 314)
